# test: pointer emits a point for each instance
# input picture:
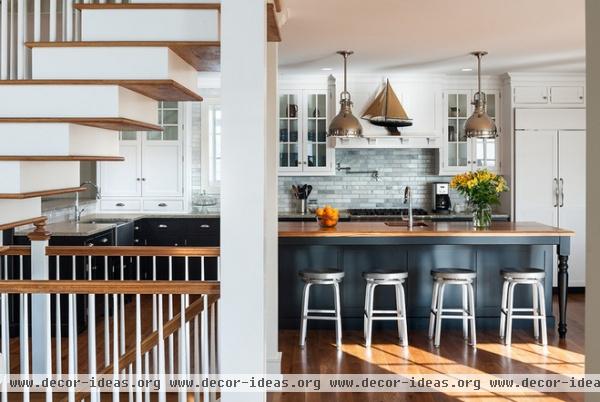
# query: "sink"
(405, 224)
(114, 221)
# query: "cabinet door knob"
(104, 240)
(138, 179)
(544, 97)
(143, 179)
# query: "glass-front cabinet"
(459, 153)
(303, 121)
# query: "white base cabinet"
(151, 177)
(550, 180)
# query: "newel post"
(40, 303)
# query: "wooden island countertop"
(432, 229)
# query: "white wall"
(243, 188)
(592, 294)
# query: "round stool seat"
(385, 276)
(527, 273)
(453, 274)
(323, 275)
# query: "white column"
(41, 341)
(592, 294)
(244, 97)
(271, 205)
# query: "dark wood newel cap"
(39, 233)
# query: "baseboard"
(274, 364)
(572, 289)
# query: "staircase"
(89, 71)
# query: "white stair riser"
(25, 177)
(18, 210)
(118, 63)
(77, 101)
(57, 139)
(150, 25)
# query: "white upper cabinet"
(151, 177)
(531, 95)
(549, 95)
(458, 153)
(303, 122)
(567, 95)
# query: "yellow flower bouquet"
(482, 189)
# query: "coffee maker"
(441, 197)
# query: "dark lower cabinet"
(190, 232)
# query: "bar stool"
(373, 280)
(454, 276)
(529, 276)
(324, 277)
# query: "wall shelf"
(386, 141)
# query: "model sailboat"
(387, 111)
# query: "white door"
(123, 179)
(162, 169)
(536, 178)
(571, 213)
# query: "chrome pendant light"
(480, 125)
(345, 124)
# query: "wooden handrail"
(24, 222)
(110, 287)
(133, 251)
(15, 250)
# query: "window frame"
(207, 161)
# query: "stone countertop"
(72, 229)
(427, 229)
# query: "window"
(211, 145)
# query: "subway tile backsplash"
(397, 169)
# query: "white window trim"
(205, 147)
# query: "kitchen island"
(355, 247)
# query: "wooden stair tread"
(273, 33)
(60, 158)
(42, 193)
(149, 6)
(109, 123)
(202, 55)
(161, 90)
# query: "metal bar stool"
(535, 278)
(395, 279)
(325, 277)
(454, 276)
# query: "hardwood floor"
(454, 356)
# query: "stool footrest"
(458, 317)
(319, 317)
(321, 311)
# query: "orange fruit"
(319, 212)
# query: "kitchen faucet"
(78, 211)
(408, 200)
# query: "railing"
(96, 300)
(22, 21)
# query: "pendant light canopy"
(345, 124)
(480, 125)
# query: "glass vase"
(482, 216)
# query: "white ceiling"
(434, 36)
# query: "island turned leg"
(563, 283)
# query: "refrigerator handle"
(555, 180)
(562, 192)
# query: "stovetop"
(385, 211)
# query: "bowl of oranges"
(327, 216)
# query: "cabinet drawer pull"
(162, 204)
(119, 204)
(104, 240)
(205, 226)
(162, 226)
(136, 240)
(136, 228)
